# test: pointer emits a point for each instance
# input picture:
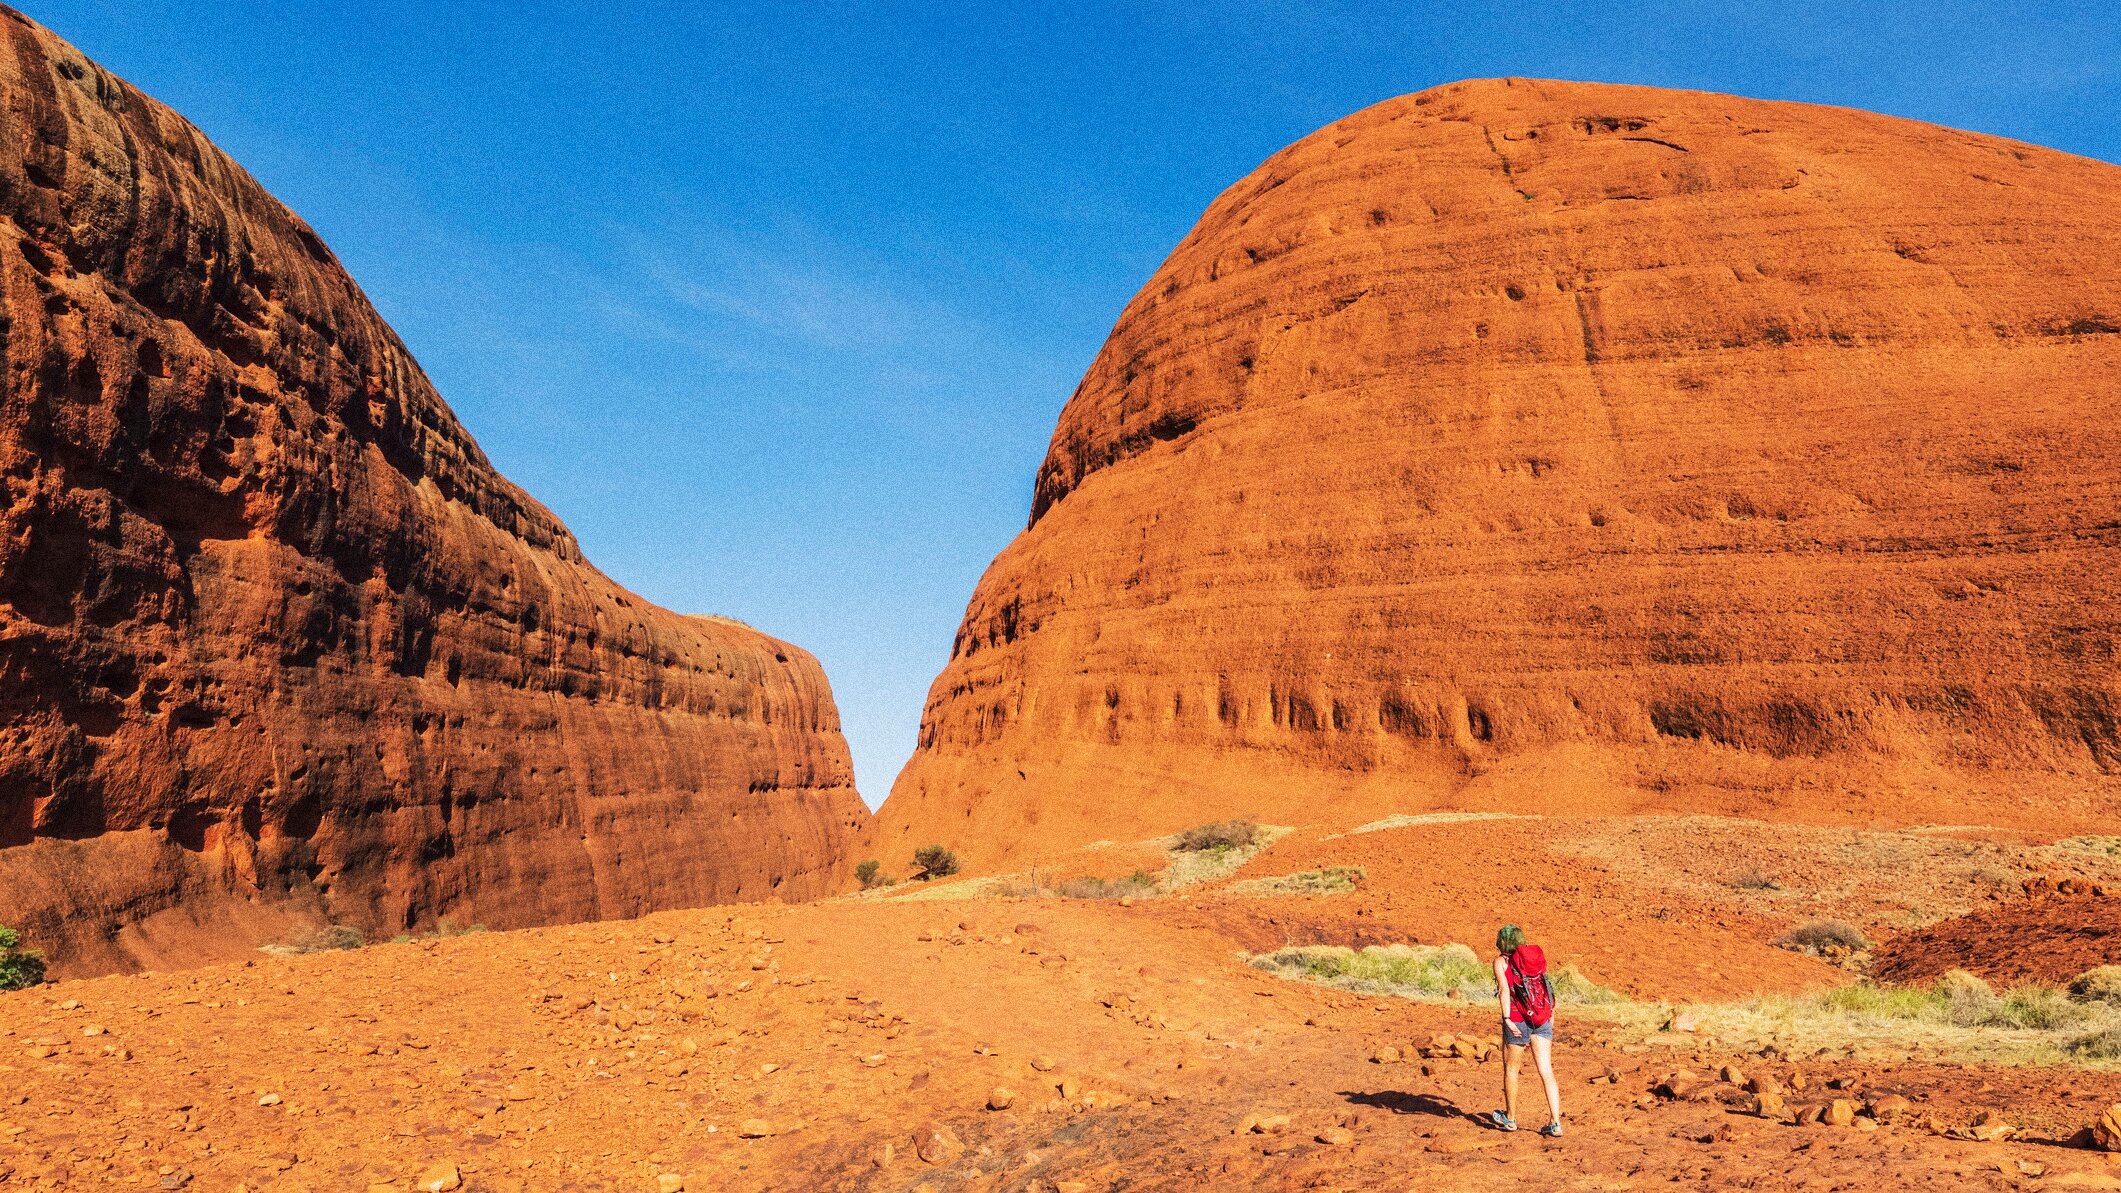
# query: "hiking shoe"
(1503, 1122)
(1551, 1130)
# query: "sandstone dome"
(1541, 445)
(278, 645)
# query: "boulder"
(2106, 1132)
(937, 1144)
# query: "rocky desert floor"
(954, 1036)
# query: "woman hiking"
(1527, 1021)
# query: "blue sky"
(776, 305)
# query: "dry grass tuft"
(1333, 880)
(329, 938)
(1223, 834)
(1416, 971)
(1823, 938)
(2102, 984)
(1138, 885)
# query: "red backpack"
(1530, 991)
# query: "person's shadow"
(1401, 1102)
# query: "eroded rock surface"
(277, 644)
(1530, 444)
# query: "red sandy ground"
(602, 1056)
(2049, 940)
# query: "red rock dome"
(1536, 444)
(277, 644)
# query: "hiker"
(1527, 1021)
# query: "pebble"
(1001, 1099)
(439, 1178)
(937, 1144)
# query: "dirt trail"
(604, 1056)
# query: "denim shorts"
(1519, 1035)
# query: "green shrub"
(934, 861)
(2097, 985)
(1223, 834)
(1822, 938)
(19, 968)
(871, 874)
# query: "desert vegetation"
(1450, 971)
(20, 968)
(1830, 939)
(1332, 880)
(934, 861)
(1222, 834)
(870, 873)
(2101, 984)
(1139, 884)
(1958, 1013)
(329, 938)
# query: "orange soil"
(601, 1056)
(2048, 940)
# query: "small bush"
(2097, 985)
(934, 861)
(1223, 834)
(19, 968)
(1822, 938)
(329, 938)
(1756, 880)
(871, 874)
(445, 928)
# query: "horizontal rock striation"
(1531, 444)
(277, 643)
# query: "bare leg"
(1542, 1056)
(1512, 1057)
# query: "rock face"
(277, 644)
(1573, 448)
